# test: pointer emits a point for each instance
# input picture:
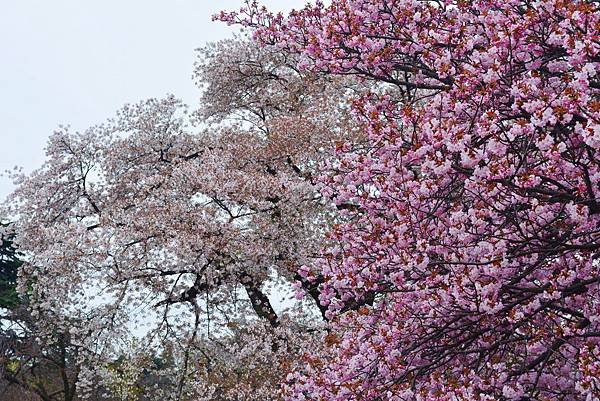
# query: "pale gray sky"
(77, 61)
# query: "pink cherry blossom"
(473, 235)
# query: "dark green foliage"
(9, 265)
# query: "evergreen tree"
(9, 265)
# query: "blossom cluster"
(472, 216)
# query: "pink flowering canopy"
(189, 227)
(472, 214)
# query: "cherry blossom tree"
(475, 226)
(186, 221)
(37, 357)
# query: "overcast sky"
(77, 61)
